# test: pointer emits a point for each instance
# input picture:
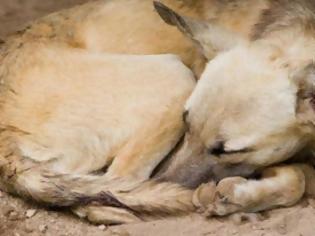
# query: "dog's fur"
(117, 26)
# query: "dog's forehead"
(243, 85)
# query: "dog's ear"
(305, 80)
(209, 36)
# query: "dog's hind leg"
(147, 148)
(24, 175)
(279, 186)
(38, 180)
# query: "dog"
(52, 151)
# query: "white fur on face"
(248, 101)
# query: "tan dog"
(68, 110)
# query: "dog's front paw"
(225, 201)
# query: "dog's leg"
(25, 177)
(148, 147)
(279, 186)
(134, 164)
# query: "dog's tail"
(62, 190)
(159, 198)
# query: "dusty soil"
(19, 218)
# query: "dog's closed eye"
(219, 149)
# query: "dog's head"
(252, 107)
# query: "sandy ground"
(18, 218)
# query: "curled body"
(73, 107)
(70, 109)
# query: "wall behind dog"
(14, 14)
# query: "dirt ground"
(18, 218)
